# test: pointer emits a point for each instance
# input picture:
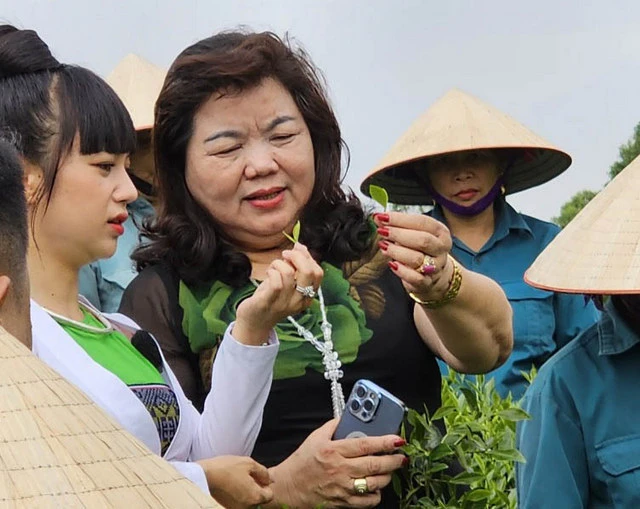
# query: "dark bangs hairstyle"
(184, 235)
(46, 104)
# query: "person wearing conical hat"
(137, 82)
(464, 156)
(582, 444)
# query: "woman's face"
(250, 164)
(84, 217)
(464, 177)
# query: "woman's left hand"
(418, 246)
(288, 289)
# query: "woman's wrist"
(250, 334)
(282, 490)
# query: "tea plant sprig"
(295, 233)
(380, 195)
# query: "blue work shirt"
(104, 281)
(583, 442)
(543, 321)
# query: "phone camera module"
(368, 405)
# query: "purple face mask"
(471, 210)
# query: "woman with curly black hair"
(75, 138)
(246, 146)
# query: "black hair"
(47, 104)
(184, 235)
(13, 218)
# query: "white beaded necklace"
(106, 325)
(330, 359)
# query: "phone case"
(359, 419)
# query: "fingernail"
(381, 217)
(383, 231)
(399, 443)
(405, 461)
(393, 265)
(383, 244)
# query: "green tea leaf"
(514, 414)
(511, 455)
(477, 495)
(380, 195)
(443, 411)
(397, 484)
(295, 233)
(467, 478)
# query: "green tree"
(628, 152)
(571, 208)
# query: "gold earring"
(503, 190)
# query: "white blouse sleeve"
(240, 384)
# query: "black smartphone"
(370, 411)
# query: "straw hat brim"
(58, 449)
(405, 188)
(459, 122)
(598, 252)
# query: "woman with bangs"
(75, 137)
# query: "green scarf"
(208, 311)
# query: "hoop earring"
(503, 190)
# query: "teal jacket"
(583, 443)
(543, 321)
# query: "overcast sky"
(566, 69)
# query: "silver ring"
(307, 291)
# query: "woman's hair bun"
(23, 52)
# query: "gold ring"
(360, 486)
(428, 265)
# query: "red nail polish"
(399, 443)
(383, 231)
(383, 244)
(393, 265)
(405, 461)
(381, 217)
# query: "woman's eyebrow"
(222, 134)
(277, 121)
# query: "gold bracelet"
(451, 293)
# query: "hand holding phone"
(370, 411)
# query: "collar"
(507, 220)
(614, 335)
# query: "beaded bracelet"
(451, 293)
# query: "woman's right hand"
(276, 297)
(321, 472)
(237, 482)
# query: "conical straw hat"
(458, 122)
(138, 83)
(598, 252)
(58, 449)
